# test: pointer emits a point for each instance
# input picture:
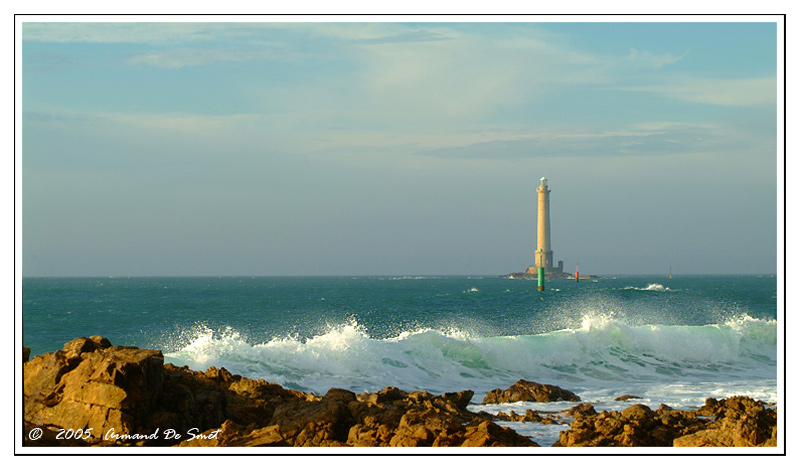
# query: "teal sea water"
(674, 341)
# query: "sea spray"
(650, 287)
(602, 352)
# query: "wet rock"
(525, 390)
(530, 416)
(627, 397)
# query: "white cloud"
(653, 60)
(172, 33)
(719, 91)
(647, 140)
(179, 58)
(465, 76)
(118, 32)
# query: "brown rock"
(89, 385)
(396, 418)
(488, 434)
(253, 401)
(387, 418)
(231, 434)
(739, 422)
(530, 416)
(420, 427)
(460, 399)
(387, 395)
(583, 410)
(627, 397)
(314, 423)
(525, 390)
(188, 400)
(26, 354)
(131, 393)
(637, 425)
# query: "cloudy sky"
(397, 148)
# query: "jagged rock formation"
(737, 421)
(390, 417)
(116, 395)
(92, 385)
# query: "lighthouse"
(544, 255)
(543, 266)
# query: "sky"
(364, 148)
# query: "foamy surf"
(600, 355)
(650, 287)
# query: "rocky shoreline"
(94, 394)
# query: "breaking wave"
(650, 287)
(602, 352)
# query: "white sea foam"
(600, 355)
(650, 287)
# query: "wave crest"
(650, 287)
(603, 350)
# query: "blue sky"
(397, 148)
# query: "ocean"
(667, 340)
